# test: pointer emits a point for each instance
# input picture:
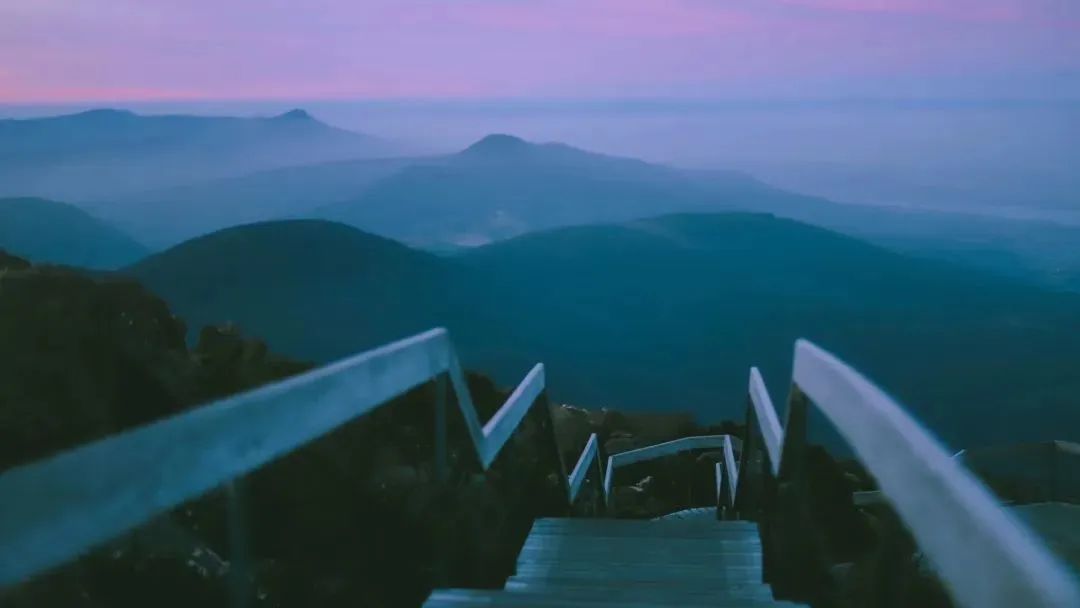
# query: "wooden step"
(616, 597)
(705, 588)
(655, 556)
(632, 564)
(603, 575)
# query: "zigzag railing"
(71, 502)
(590, 461)
(984, 556)
(660, 450)
(54, 510)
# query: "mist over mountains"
(322, 241)
(102, 153)
(166, 216)
(498, 187)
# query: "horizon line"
(542, 99)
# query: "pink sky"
(108, 50)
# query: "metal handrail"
(56, 509)
(67, 504)
(590, 456)
(660, 450)
(769, 424)
(984, 555)
(732, 473)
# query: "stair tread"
(631, 564)
(674, 597)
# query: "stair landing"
(630, 563)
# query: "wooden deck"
(631, 563)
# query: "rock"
(572, 429)
(11, 262)
(644, 485)
(610, 421)
(619, 444)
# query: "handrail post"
(442, 470)
(793, 452)
(747, 499)
(794, 551)
(548, 424)
(601, 497)
(239, 549)
(1054, 471)
(731, 480)
(718, 470)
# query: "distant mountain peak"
(498, 145)
(296, 114)
(105, 114)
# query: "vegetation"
(355, 518)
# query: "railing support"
(240, 575)
(983, 555)
(547, 429)
(747, 486)
(598, 482)
(442, 469)
(718, 475)
(789, 531)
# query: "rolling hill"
(58, 233)
(99, 154)
(665, 313)
(283, 277)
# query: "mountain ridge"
(100, 153)
(52, 232)
(668, 312)
(499, 187)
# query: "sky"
(58, 51)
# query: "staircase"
(56, 509)
(697, 561)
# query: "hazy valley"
(592, 263)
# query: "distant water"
(1010, 159)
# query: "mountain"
(503, 186)
(665, 313)
(1042, 252)
(58, 233)
(168, 216)
(287, 275)
(166, 179)
(705, 296)
(102, 153)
